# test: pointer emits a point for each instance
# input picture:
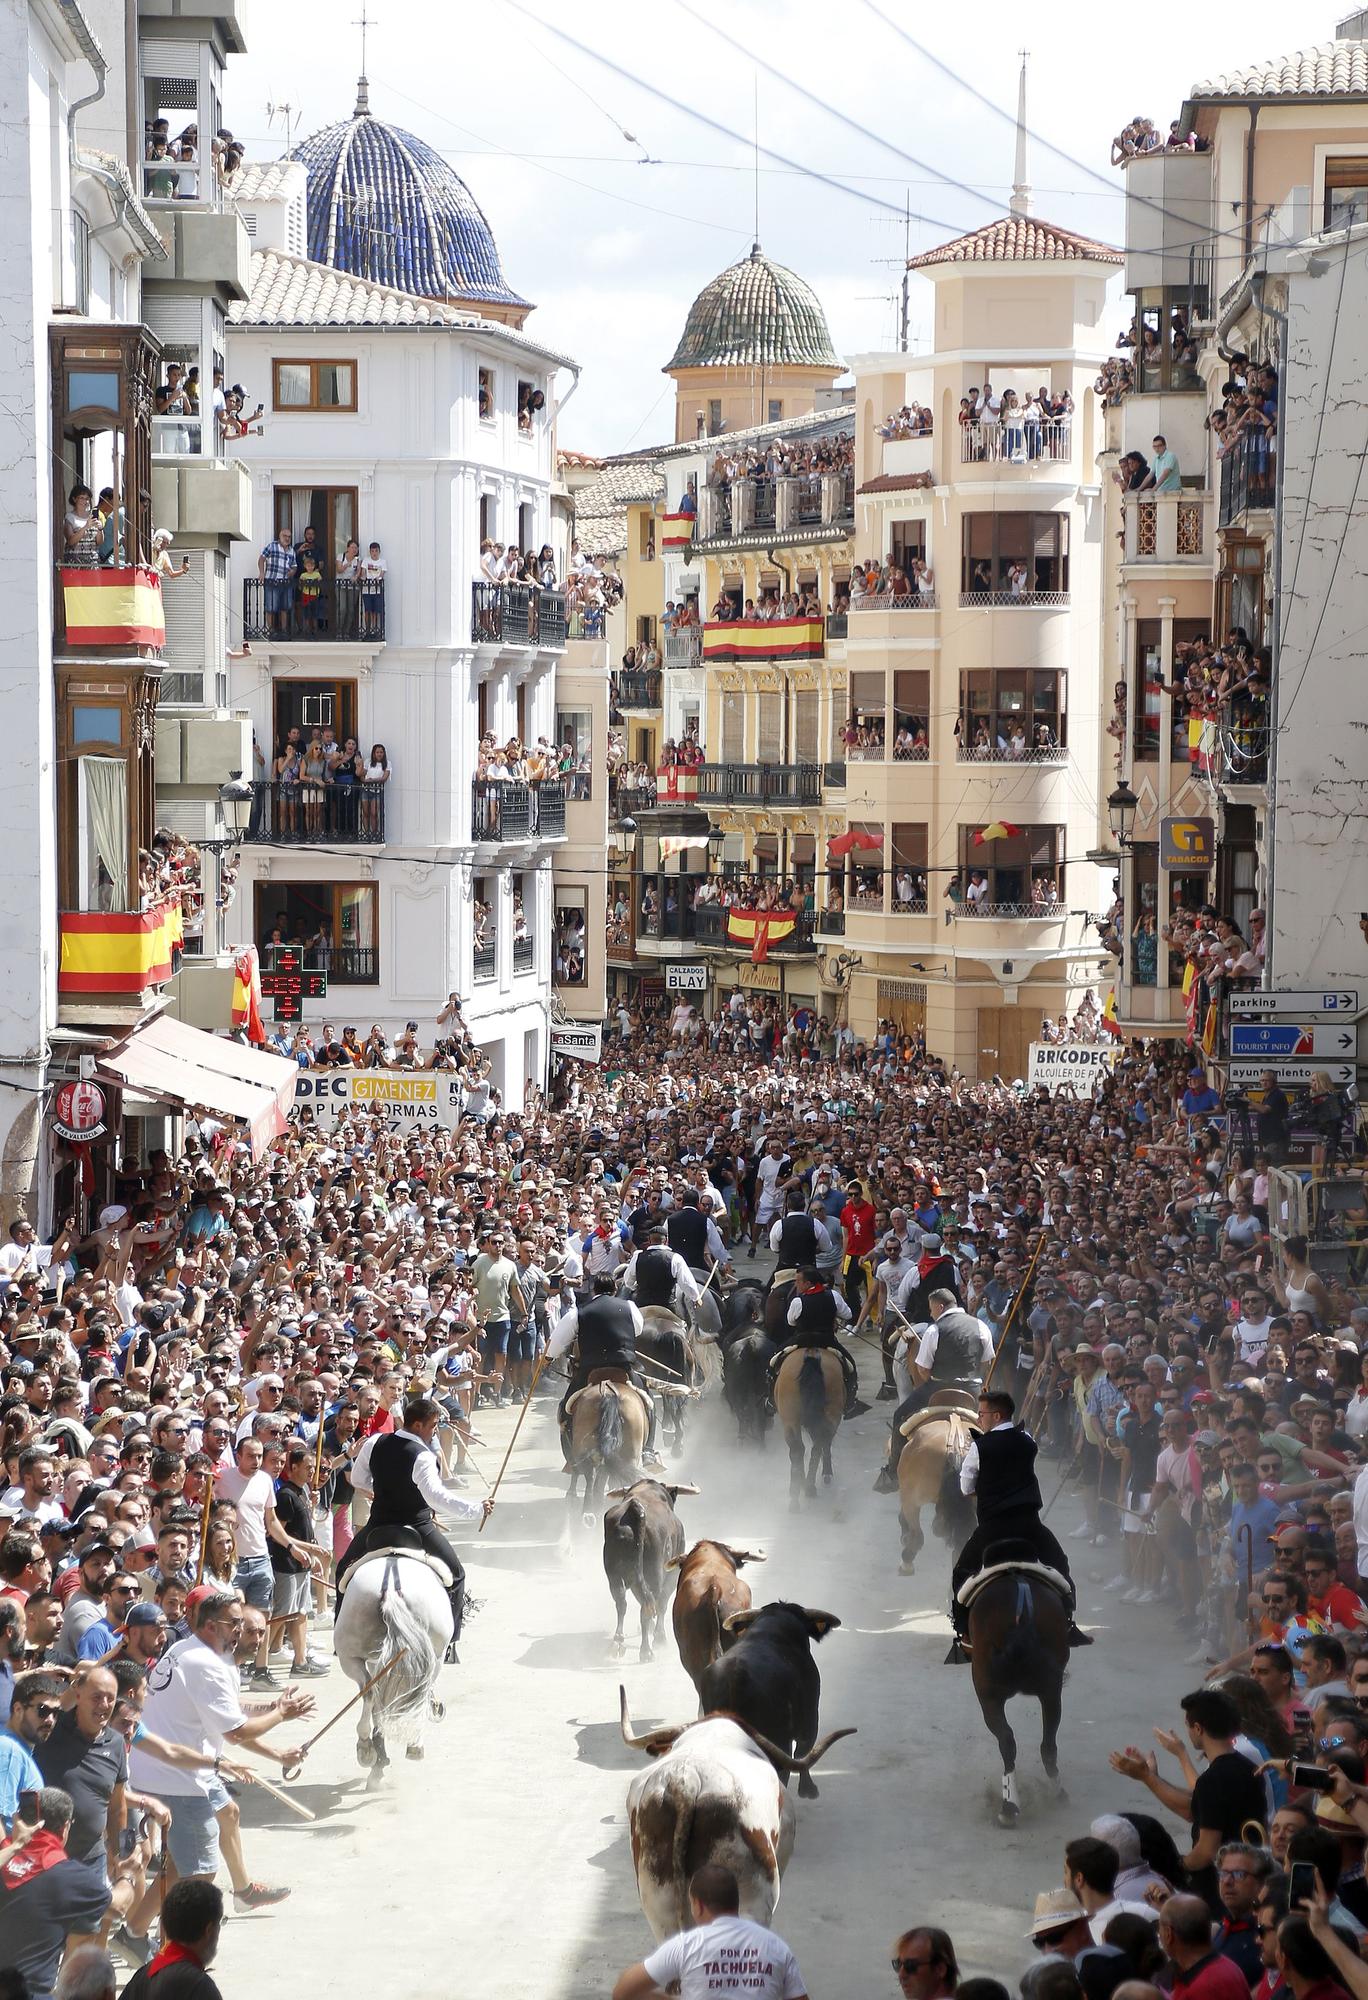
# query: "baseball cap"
(144, 1614)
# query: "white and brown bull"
(708, 1592)
(713, 1794)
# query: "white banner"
(1079, 1064)
(579, 1042)
(402, 1097)
(686, 978)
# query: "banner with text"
(1082, 1065)
(580, 1043)
(403, 1097)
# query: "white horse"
(393, 1604)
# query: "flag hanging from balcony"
(113, 607)
(998, 829)
(853, 840)
(1109, 1023)
(676, 531)
(672, 844)
(759, 929)
(737, 641)
(247, 993)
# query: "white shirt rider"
(427, 1478)
(685, 1281)
(969, 1464)
(567, 1326)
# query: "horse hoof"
(414, 1752)
(587, 1520)
(376, 1778)
(438, 1711)
(827, 1478)
(365, 1754)
(806, 1788)
(906, 1568)
(645, 1656)
(1009, 1815)
(617, 1649)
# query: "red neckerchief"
(42, 1852)
(174, 1954)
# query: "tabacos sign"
(1081, 1065)
(400, 1096)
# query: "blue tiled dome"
(385, 207)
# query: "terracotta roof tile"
(1328, 69)
(1019, 239)
(755, 314)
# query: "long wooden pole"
(294, 1769)
(542, 1360)
(204, 1528)
(1025, 1287)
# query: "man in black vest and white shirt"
(658, 1276)
(606, 1330)
(999, 1470)
(954, 1352)
(402, 1474)
(814, 1313)
(800, 1240)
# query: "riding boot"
(1077, 1637)
(649, 1455)
(852, 1381)
(959, 1625)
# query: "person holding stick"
(401, 1473)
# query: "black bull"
(769, 1678)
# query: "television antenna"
(288, 116)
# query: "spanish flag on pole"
(247, 993)
(1109, 1023)
(759, 929)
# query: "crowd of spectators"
(322, 786)
(171, 163)
(900, 582)
(1246, 425)
(767, 607)
(1015, 427)
(1115, 382)
(913, 420)
(308, 591)
(1142, 135)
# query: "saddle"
(619, 1380)
(953, 1414)
(400, 1545)
(971, 1587)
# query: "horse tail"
(812, 1391)
(401, 1697)
(954, 1509)
(608, 1434)
(1017, 1658)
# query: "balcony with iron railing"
(512, 811)
(750, 641)
(683, 647)
(344, 612)
(1242, 735)
(1249, 476)
(1167, 527)
(990, 740)
(636, 690)
(1009, 599)
(485, 957)
(305, 814)
(518, 614)
(774, 785)
(1018, 444)
(786, 933)
(887, 600)
(524, 954)
(791, 505)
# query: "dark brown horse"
(1019, 1644)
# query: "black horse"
(1019, 1644)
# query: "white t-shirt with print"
(731, 1955)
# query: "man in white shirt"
(193, 1700)
(252, 1492)
(725, 1954)
(23, 1256)
(33, 1501)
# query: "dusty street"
(500, 1866)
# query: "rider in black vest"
(1007, 1493)
(407, 1485)
(958, 1363)
(798, 1245)
(814, 1324)
(654, 1278)
(686, 1230)
(606, 1338)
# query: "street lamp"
(1121, 809)
(236, 798)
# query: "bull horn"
(739, 1620)
(826, 1619)
(677, 1490)
(655, 1740)
(742, 1556)
(781, 1758)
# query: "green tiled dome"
(755, 315)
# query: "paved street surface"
(500, 1866)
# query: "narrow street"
(500, 1867)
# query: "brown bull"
(928, 1476)
(608, 1430)
(708, 1592)
(809, 1394)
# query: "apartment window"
(769, 729)
(527, 526)
(865, 890)
(314, 385)
(329, 510)
(1023, 872)
(489, 518)
(1240, 590)
(907, 861)
(645, 629)
(907, 542)
(866, 731)
(646, 541)
(531, 402)
(774, 411)
(569, 963)
(1149, 691)
(1346, 192)
(805, 745)
(104, 789)
(733, 745)
(487, 397)
(575, 751)
(1010, 711)
(309, 705)
(1165, 353)
(485, 931)
(80, 251)
(1015, 555)
(714, 416)
(334, 924)
(911, 714)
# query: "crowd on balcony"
(1082, 1026)
(681, 613)
(913, 420)
(782, 458)
(863, 739)
(995, 738)
(324, 787)
(591, 592)
(506, 564)
(568, 962)
(171, 163)
(890, 585)
(304, 591)
(752, 892)
(1142, 135)
(519, 763)
(1115, 382)
(1016, 428)
(1246, 425)
(769, 606)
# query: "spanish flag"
(117, 951)
(998, 829)
(1109, 1023)
(676, 531)
(247, 993)
(736, 641)
(113, 607)
(759, 929)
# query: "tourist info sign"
(1281, 1039)
(1297, 1006)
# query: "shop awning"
(169, 1060)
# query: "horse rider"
(693, 1235)
(606, 1328)
(401, 1472)
(801, 1240)
(813, 1315)
(658, 1276)
(999, 1470)
(955, 1352)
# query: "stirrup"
(958, 1656)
